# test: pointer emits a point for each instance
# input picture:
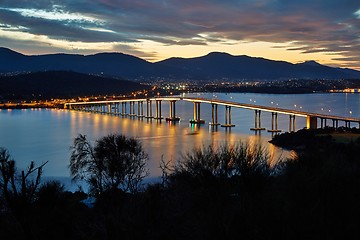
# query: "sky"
(327, 31)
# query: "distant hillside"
(109, 64)
(54, 84)
(213, 66)
(222, 65)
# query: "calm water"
(46, 135)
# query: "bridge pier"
(311, 122)
(333, 125)
(214, 115)
(172, 114)
(158, 110)
(132, 109)
(109, 109)
(114, 108)
(257, 122)
(292, 123)
(274, 123)
(227, 118)
(117, 108)
(197, 119)
(149, 109)
(140, 109)
(123, 109)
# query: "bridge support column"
(257, 122)
(119, 111)
(158, 110)
(132, 109)
(311, 122)
(123, 109)
(149, 109)
(214, 115)
(292, 123)
(114, 110)
(140, 109)
(109, 108)
(274, 123)
(172, 117)
(117, 108)
(197, 119)
(227, 118)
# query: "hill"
(109, 64)
(223, 65)
(58, 84)
(213, 66)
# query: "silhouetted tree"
(227, 161)
(115, 162)
(18, 191)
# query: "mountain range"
(213, 66)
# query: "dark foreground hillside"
(225, 193)
(62, 84)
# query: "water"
(47, 134)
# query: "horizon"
(95, 53)
(293, 31)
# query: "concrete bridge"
(119, 107)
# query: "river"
(47, 134)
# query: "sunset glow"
(294, 31)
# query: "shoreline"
(28, 106)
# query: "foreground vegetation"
(228, 192)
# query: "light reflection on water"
(46, 135)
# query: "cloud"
(323, 26)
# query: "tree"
(18, 191)
(227, 161)
(115, 162)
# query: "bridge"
(119, 107)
